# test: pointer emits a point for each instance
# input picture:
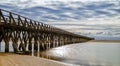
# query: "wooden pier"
(23, 32)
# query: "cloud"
(96, 18)
(64, 11)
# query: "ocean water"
(88, 54)
(85, 54)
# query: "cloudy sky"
(94, 18)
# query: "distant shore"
(118, 41)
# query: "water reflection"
(88, 54)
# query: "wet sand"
(11, 59)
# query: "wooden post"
(15, 46)
(15, 41)
(6, 39)
(22, 45)
(6, 45)
(38, 50)
(0, 40)
(30, 41)
(54, 41)
(32, 49)
(0, 19)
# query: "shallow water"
(88, 54)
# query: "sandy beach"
(10, 59)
